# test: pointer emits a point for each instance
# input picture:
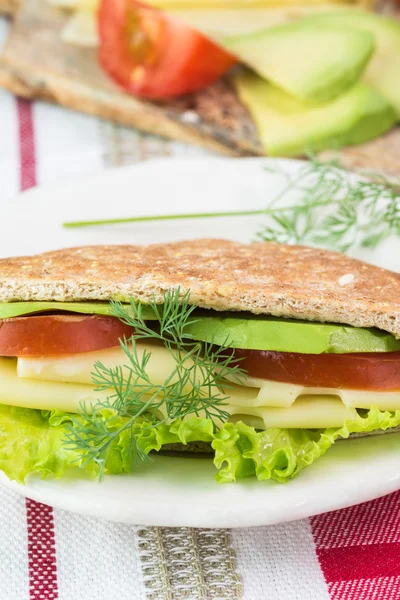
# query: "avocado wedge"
(242, 330)
(312, 61)
(259, 332)
(383, 70)
(291, 127)
(376, 118)
(9, 310)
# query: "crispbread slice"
(267, 278)
(205, 450)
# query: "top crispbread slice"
(285, 281)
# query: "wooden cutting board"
(37, 64)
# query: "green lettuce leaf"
(281, 454)
(32, 442)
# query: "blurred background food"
(283, 78)
(215, 18)
(324, 75)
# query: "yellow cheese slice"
(47, 395)
(258, 392)
(308, 411)
(311, 412)
(78, 368)
(220, 18)
(274, 393)
(360, 399)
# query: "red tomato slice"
(154, 56)
(47, 335)
(361, 371)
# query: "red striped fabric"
(359, 550)
(27, 155)
(41, 551)
(42, 564)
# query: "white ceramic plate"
(182, 491)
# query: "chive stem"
(233, 213)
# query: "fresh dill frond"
(195, 386)
(333, 208)
(322, 204)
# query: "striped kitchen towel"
(352, 554)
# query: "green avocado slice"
(311, 61)
(289, 335)
(288, 126)
(383, 70)
(376, 118)
(243, 330)
(18, 309)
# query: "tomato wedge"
(47, 335)
(359, 371)
(153, 55)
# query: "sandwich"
(258, 356)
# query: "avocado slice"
(243, 330)
(383, 70)
(290, 335)
(312, 61)
(289, 127)
(18, 309)
(376, 118)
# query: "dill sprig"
(194, 387)
(334, 208)
(324, 205)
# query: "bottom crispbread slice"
(372, 433)
(205, 450)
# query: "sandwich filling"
(285, 389)
(111, 353)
